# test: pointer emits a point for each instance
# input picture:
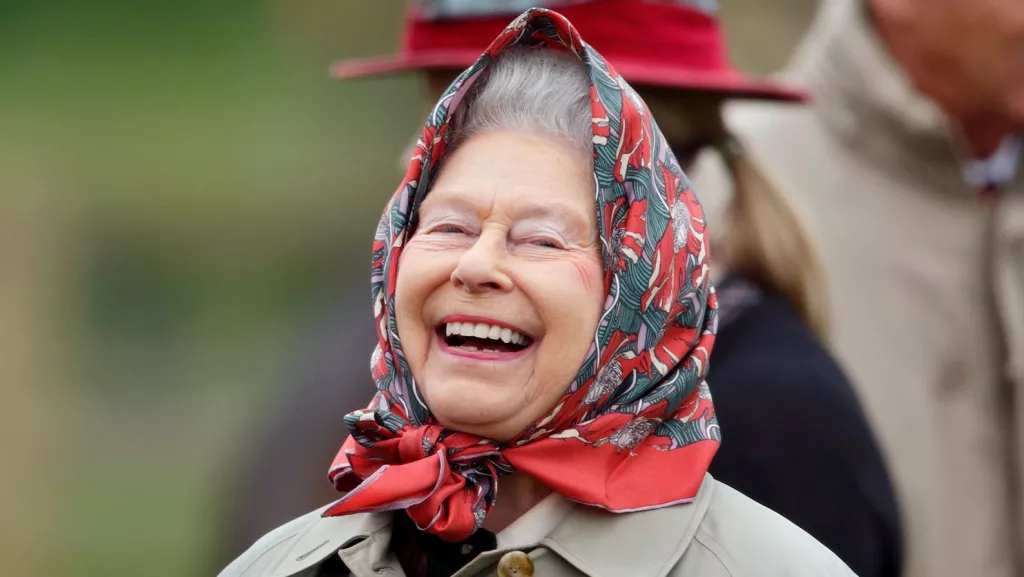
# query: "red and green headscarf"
(636, 428)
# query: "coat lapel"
(357, 538)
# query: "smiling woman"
(496, 265)
(544, 314)
(509, 219)
(488, 325)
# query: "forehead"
(504, 171)
(445, 9)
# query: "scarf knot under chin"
(447, 491)
(636, 428)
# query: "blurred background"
(182, 191)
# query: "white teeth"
(484, 331)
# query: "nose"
(479, 269)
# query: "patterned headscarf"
(636, 428)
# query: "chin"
(485, 414)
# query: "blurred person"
(544, 315)
(773, 378)
(907, 167)
(282, 461)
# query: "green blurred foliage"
(213, 187)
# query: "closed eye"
(449, 229)
(546, 243)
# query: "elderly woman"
(544, 319)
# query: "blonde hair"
(766, 240)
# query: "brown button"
(515, 564)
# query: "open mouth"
(482, 337)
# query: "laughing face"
(500, 287)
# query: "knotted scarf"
(636, 428)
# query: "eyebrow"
(457, 202)
(557, 211)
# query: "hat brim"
(730, 83)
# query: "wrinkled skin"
(508, 233)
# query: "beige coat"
(873, 167)
(720, 534)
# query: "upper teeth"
(484, 331)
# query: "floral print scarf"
(636, 428)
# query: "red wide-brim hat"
(667, 43)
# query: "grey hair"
(540, 91)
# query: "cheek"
(570, 301)
(422, 266)
(419, 275)
(573, 290)
(589, 273)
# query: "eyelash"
(449, 229)
(546, 243)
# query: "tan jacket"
(932, 336)
(720, 534)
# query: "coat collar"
(589, 539)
